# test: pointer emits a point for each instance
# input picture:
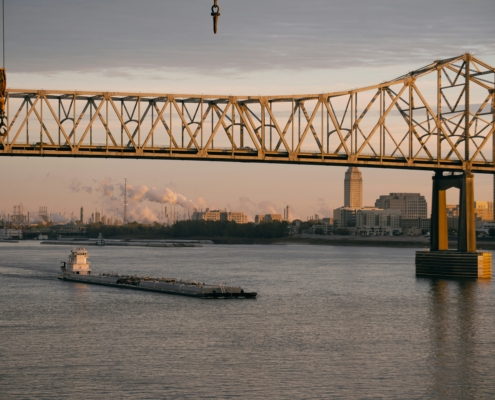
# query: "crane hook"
(215, 13)
(3, 117)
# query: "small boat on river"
(77, 269)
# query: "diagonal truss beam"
(216, 127)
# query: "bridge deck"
(441, 116)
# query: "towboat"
(77, 269)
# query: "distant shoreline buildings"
(383, 219)
(219, 215)
(393, 214)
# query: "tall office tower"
(82, 215)
(353, 188)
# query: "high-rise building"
(411, 205)
(353, 188)
(82, 215)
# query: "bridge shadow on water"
(456, 357)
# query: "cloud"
(142, 213)
(106, 188)
(267, 207)
(77, 186)
(253, 36)
(59, 219)
(137, 194)
(157, 195)
(251, 208)
(323, 209)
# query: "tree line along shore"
(272, 232)
(192, 229)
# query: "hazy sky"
(263, 47)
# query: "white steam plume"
(160, 196)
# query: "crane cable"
(3, 80)
(215, 13)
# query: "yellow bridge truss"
(439, 117)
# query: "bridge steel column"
(439, 231)
(467, 224)
(466, 261)
(467, 221)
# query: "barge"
(77, 269)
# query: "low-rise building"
(324, 229)
(267, 218)
(69, 229)
(452, 210)
(420, 223)
(484, 210)
(219, 215)
(208, 215)
(453, 223)
(485, 225)
(235, 216)
(344, 217)
(10, 233)
(411, 205)
(378, 222)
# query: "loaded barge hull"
(77, 269)
(214, 292)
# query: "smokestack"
(125, 200)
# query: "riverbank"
(356, 241)
(130, 242)
(418, 242)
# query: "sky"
(262, 47)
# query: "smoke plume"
(323, 209)
(77, 186)
(156, 195)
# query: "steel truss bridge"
(439, 117)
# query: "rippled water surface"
(329, 322)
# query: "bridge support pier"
(465, 262)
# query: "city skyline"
(149, 203)
(56, 50)
(298, 205)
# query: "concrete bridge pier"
(465, 262)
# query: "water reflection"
(79, 291)
(452, 327)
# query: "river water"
(329, 322)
